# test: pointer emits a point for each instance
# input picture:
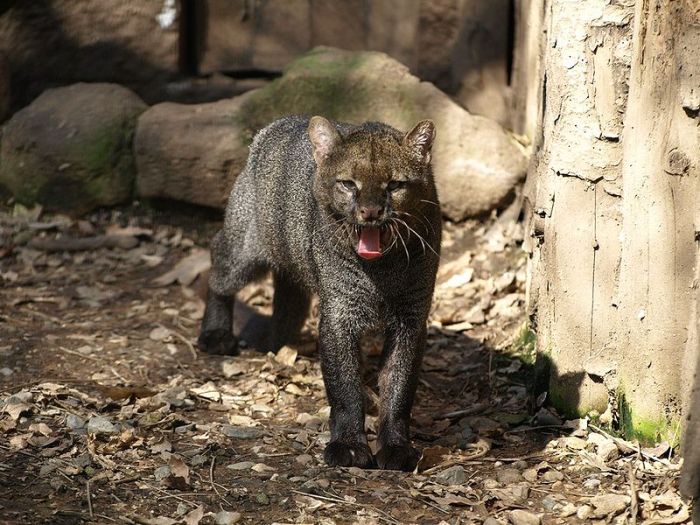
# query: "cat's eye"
(394, 185)
(347, 185)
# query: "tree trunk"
(612, 199)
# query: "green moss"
(524, 345)
(646, 430)
(328, 83)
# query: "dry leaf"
(286, 356)
(194, 516)
(187, 270)
(179, 477)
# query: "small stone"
(530, 475)
(304, 459)
(6, 371)
(508, 476)
(550, 503)
(262, 498)
(493, 521)
(609, 504)
(583, 512)
(520, 490)
(241, 432)
(545, 417)
(162, 472)
(574, 443)
(567, 510)
(452, 476)
(551, 476)
(606, 449)
(100, 425)
(523, 517)
(490, 483)
(74, 422)
(591, 484)
(241, 465)
(227, 518)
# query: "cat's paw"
(218, 342)
(402, 457)
(339, 454)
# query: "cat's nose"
(371, 212)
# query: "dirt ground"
(108, 414)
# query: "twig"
(89, 498)
(72, 352)
(170, 495)
(634, 504)
(382, 515)
(190, 346)
(73, 244)
(627, 445)
(211, 480)
(479, 407)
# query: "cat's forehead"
(374, 157)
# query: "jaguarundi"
(349, 213)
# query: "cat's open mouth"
(370, 242)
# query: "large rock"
(4, 86)
(70, 149)
(184, 152)
(190, 153)
(60, 42)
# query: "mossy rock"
(71, 149)
(476, 162)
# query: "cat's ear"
(420, 140)
(324, 138)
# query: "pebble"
(583, 512)
(262, 498)
(6, 371)
(100, 425)
(241, 432)
(490, 483)
(162, 472)
(523, 517)
(452, 476)
(508, 476)
(552, 475)
(241, 465)
(227, 518)
(304, 459)
(609, 504)
(567, 510)
(520, 490)
(591, 484)
(530, 475)
(492, 521)
(74, 422)
(549, 502)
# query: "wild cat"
(349, 213)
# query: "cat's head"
(374, 181)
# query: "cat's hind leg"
(231, 269)
(290, 309)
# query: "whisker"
(422, 240)
(408, 257)
(430, 202)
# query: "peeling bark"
(612, 203)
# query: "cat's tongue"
(369, 246)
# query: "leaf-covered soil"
(108, 413)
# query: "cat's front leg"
(340, 363)
(401, 359)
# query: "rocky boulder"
(4, 86)
(190, 153)
(71, 149)
(193, 153)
